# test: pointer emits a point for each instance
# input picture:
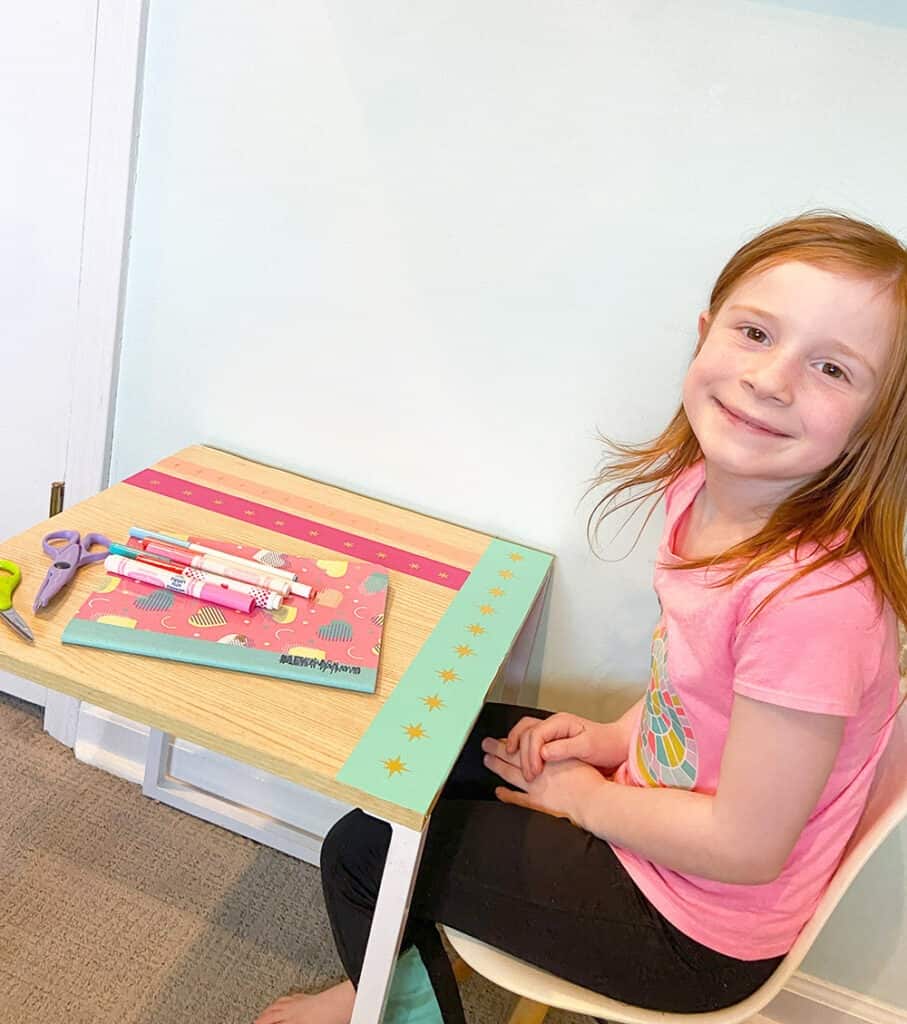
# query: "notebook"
(333, 640)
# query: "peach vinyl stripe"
(328, 514)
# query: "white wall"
(426, 250)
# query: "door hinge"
(56, 497)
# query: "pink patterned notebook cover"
(335, 639)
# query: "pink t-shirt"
(836, 653)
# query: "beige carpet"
(118, 909)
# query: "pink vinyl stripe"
(347, 544)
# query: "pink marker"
(208, 563)
(262, 597)
(141, 572)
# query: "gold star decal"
(486, 609)
(394, 766)
(415, 732)
(434, 703)
(464, 650)
(278, 522)
(313, 533)
(155, 483)
(497, 592)
(218, 501)
(442, 575)
(505, 574)
(347, 543)
(414, 565)
(514, 557)
(249, 512)
(448, 675)
(476, 629)
(380, 554)
(187, 493)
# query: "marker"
(200, 549)
(178, 583)
(303, 590)
(262, 597)
(136, 553)
(258, 577)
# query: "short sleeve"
(809, 648)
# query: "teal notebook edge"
(85, 633)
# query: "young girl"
(670, 858)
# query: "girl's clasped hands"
(552, 761)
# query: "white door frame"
(116, 92)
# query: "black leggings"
(533, 885)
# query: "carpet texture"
(119, 909)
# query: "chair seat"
(542, 987)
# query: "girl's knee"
(356, 838)
(339, 837)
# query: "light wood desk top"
(305, 733)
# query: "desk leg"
(397, 882)
(61, 717)
(156, 762)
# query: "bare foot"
(333, 1006)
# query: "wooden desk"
(462, 615)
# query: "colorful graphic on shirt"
(666, 751)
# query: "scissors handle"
(88, 541)
(66, 559)
(53, 550)
(8, 583)
(77, 548)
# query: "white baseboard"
(809, 1000)
(97, 757)
(24, 689)
(111, 742)
(235, 796)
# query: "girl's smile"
(750, 423)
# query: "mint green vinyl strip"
(413, 741)
(87, 633)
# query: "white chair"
(885, 809)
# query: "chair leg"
(524, 1012)
(462, 970)
(527, 1011)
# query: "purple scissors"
(67, 558)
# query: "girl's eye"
(755, 334)
(836, 372)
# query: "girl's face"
(788, 368)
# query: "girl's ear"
(705, 321)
